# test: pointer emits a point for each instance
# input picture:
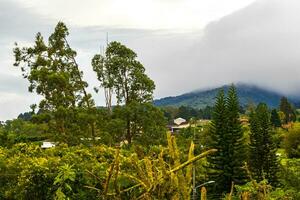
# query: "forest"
(123, 150)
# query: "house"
(47, 145)
(179, 121)
(178, 124)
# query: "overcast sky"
(184, 45)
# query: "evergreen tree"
(218, 130)
(225, 166)
(288, 110)
(263, 162)
(275, 119)
(237, 146)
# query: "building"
(178, 124)
(179, 121)
(47, 145)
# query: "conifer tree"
(218, 130)
(225, 166)
(275, 119)
(287, 109)
(237, 150)
(263, 161)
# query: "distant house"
(178, 124)
(47, 145)
(179, 121)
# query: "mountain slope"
(200, 99)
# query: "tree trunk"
(128, 134)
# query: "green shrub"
(292, 142)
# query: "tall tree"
(263, 161)
(287, 109)
(218, 130)
(237, 146)
(275, 119)
(54, 74)
(225, 166)
(123, 74)
(132, 84)
(104, 73)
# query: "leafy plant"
(65, 175)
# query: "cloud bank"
(259, 44)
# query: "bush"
(97, 172)
(292, 142)
(28, 172)
(290, 176)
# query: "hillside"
(200, 99)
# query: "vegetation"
(53, 73)
(81, 172)
(275, 119)
(124, 151)
(69, 111)
(288, 111)
(227, 136)
(120, 72)
(292, 142)
(263, 159)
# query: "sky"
(185, 45)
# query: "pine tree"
(237, 146)
(263, 161)
(275, 119)
(288, 110)
(218, 130)
(225, 166)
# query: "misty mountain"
(247, 94)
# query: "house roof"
(179, 121)
(47, 145)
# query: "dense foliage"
(80, 172)
(122, 152)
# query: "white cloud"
(142, 14)
(258, 44)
